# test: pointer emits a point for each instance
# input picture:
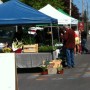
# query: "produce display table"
(28, 60)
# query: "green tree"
(74, 12)
(5, 0)
(63, 4)
(85, 16)
(37, 4)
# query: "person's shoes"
(87, 52)
(78, 53)
(82, 53)
(68, 67)
(73, 66)
(75, 54)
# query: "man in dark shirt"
(69, 38)
(83, 41)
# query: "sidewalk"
(77, 78)
(82, 66)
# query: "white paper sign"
(7, 71)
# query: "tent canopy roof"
(62, 17)
(1, 2)
(60, 10)
(16, 12)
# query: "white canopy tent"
(1, 2)
(62, 18)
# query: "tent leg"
(52, 41)
(58, 33)
(16, 28)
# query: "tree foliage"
(37, 4)
(85, 18)
(74, 10)
(63, 4)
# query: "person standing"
(83, 41)
(69, 38)
(19, 34)
(77, 42)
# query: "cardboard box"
(52, 71)
(56, 63)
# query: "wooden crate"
(30, 48)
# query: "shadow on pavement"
(88, 52)
(29, 70)
(35, 69)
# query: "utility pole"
(70, 11)
(87, 17)
(70, 7)
(82, 10)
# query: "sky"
(78, 3)
(86, 4)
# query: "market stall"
(61, 17)
(22, 14)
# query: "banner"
(7, 71)
(81, 25)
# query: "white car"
(32, 30)
(89, 32)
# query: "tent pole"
(52, 41)
(16, 28)
(52, 34)
(70, 26)
(77, 27)
(58, 33)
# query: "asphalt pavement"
(72, 79)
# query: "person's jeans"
(83, 44)
(70, 57)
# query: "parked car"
(32, 30)
(89, 32)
